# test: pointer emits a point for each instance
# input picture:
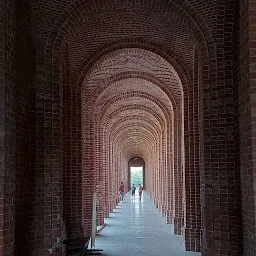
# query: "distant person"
(140, 191)
(121, 191)
(133, 190)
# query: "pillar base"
(163, 210)
(100, 220)
(169, 217)
(193, 239)
(178, 225)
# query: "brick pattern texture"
(88, 87)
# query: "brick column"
(221, 212)
(7, 127)
(247, 116)
(88, 158)
(178, 217)
(100, 175)
(72, 182)
(192, 170)
(169, 177)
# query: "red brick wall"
(247, 112)
(78, 145)
(8, 127)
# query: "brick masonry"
(87, 86)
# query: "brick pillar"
(7, 127)
(247, 117)
(88, 158)
(192, 171)
(25, 75)
(169, 177)
(46, 169)
(72, 155)
(106, 181)
(220, 179)
(100, 175)
(178, 219)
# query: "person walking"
(121, 191)
(133, 191)
(140, 191)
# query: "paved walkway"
(137, 228)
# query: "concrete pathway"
(137, 229)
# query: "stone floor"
(137, 228)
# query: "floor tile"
(137, 228)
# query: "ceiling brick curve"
(78, 11)
(128, 112)
(137, 143)
(134, 98)
(123, 124)
(173, 34)
(136, 43)
(133, 60)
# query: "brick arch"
(128, 75)
(180, 71)
(102, 88)
(123, 132)
(103, 176)
(67, 24)
(139, 75)
(203, 52)
(179, 222)
(121, 138)
(205, 63)
(119, 126)
(139, 107)
(118, 98)
(112, 100)
(101, 118)
(121, 76)
(133, 60)
(163, 208)
(140, 151)
(138, 94)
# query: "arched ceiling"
(96, 24)
(126, 24)
(51, 12)
(134, 60)
(124, 50)
(135, 114)
(133, 85)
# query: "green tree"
(137, 176)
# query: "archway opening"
(136, 176)
(136, 172)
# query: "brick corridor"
(137, 228)
(89, 89)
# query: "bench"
(79, 245)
